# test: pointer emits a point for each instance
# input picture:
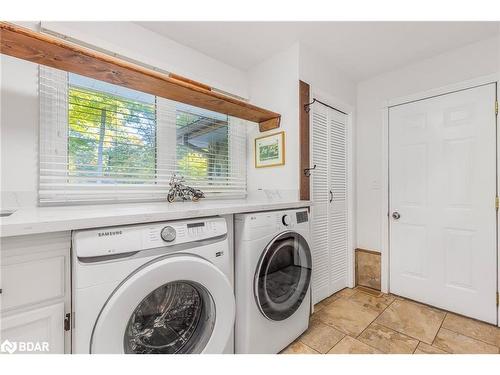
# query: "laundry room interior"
(249, 187)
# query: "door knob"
(396, 215)
(331, 196)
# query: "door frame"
(443, 90)
(351, 218)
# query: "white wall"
(324, 77)
(18, 132)
(274, 85)
(465, 63)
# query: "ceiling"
(360, 49)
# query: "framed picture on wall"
(270, 150)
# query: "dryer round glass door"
(173, 304)
(283, 276)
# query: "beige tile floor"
(362, 321)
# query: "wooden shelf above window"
(47, 50)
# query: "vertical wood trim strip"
(304, 96)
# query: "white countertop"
(56, 219)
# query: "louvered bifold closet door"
(320, 197)
(338, 207)
(329, 194)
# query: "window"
(101, 143)
(111, 135)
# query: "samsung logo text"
(111, 233)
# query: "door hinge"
(67, 322)
(497, 202)
(496, 107)
(498, 299)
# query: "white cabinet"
(36, 331)
(35, 283)
(330, 216)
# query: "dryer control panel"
(125, 239)
(251, 226)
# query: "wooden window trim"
(57, 53)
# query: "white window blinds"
(105, 143)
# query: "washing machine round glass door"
(172, 305)
(283, 276)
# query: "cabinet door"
(35, 331)
(31, 280)
(35, 271)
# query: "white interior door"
(442, 201)
(329, 223)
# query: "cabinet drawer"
(32, 281)
(35, 331)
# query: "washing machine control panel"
(184, 231)
(119, 240)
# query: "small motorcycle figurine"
(179, 189)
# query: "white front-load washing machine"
(154, 288)
(273, 265)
